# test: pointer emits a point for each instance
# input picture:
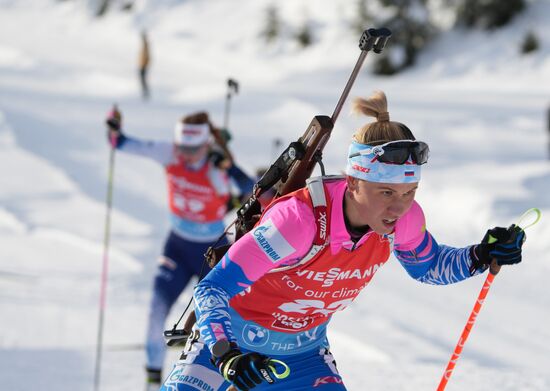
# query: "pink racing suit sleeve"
(284, 235)
(423, 258)
(410, 229)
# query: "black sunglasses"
(188, 150)
(398, 152)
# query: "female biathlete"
(199, 195)
(262, 312)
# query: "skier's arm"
(423, 258)
(236, 175)
(274, 242)
(243, 181)
(159, 151)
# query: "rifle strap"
(317, 193)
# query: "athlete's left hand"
(499, 243)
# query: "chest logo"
(272, 242)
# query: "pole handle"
(532, 213)
(494, 267)
(279, 375)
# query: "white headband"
(368, 168)
(191, 135)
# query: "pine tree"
(362, 17)
(273, 25)
(530, 43)
(102, 8)
(304, 35)
(488, 14)
(411, 31)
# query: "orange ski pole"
(466, 332)
(493, 271)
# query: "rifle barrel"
(348, 86)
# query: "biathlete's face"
(378, 205)
(192, 155)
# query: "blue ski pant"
(311, 370)
(181, 260)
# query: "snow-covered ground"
(478, 103)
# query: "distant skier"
(199, 195)
(144, 61)
(263, 310)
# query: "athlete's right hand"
(246, 370)
(114, 124)
(114, 119)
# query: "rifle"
(289, 172)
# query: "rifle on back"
(288, 173)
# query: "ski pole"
(493, 271)
(222, 136)
(105, 265)
(232, 87)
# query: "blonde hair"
(383, 130)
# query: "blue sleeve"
(436, 264)
(243, 181)
(212, 297)
(159, 151)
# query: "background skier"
(199, 195)
(143, 62)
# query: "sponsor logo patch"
(272, 243)
(336, 274)
(255, 336)
(178, 377)
(322, 220)
(292, 323)
(327, 380)
(360, 168)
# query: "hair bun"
(385, 116)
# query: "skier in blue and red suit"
(263, 311)
(199, 195)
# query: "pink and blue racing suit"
(274, 292)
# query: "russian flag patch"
(409, 173)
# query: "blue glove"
(247, 370)
(502, 244)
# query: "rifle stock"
(313, 141)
